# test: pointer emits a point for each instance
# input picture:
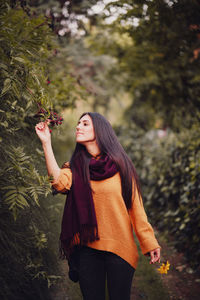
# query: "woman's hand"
(155, 256)
(43, 132)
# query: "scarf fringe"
(88, 234)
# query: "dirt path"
(148, 283)
(181, 282)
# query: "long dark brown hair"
(108, 143)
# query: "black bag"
(74, 263)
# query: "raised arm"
(44, 135)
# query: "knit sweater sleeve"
(64, 181)
(141, 226)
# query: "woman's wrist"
(46, 144)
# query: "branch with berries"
(52, 117)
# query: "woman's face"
(85, 130)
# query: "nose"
(78, 127)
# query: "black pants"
(96, 266)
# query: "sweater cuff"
(149, 245)
(64, 181)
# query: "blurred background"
(136, 62)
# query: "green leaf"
(6, 86)
(22, 201)
(19, 59)
(16, 90)
(10, 199)
(9, 187)
(3, 66)
(4, 124)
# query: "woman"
(103, 207)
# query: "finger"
(47, 121)
(40, 123)
(157, 255)
(152, 257)
(39, 127)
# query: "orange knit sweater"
(115, 223)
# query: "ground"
(148, 284)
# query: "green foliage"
(169, 168)
(92, 73)
(27, 184)
(28, 54)
(156, 44)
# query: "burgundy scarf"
(79, 224)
